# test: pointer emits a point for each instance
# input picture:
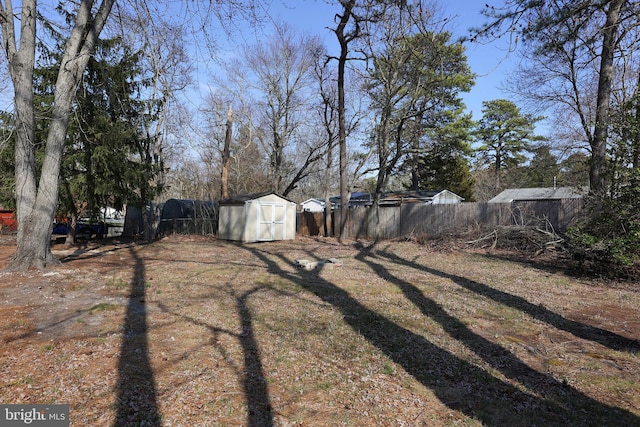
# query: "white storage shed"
(257, 217)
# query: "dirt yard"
(197, 332)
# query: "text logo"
(34, 415)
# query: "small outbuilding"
(257, 217)
(185, 216)
(534, 194)
(554, 206)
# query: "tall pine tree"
(444, 163)
(106, 158)
(505, 134)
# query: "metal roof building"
(531, 194)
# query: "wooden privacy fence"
(312, 223)
(434, 220)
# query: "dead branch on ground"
(525, 238)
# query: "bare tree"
(328, 111)
(350, 28)
(167, 69)
(345, 37)
(272, 83)
(283, 81)
(246, 163)
(36, 200)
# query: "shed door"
(271, 221)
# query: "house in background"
(425, 197)
(312, 205)
(396, 198)
(257, 217)
(533, 194)
(357, 199)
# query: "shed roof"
(240, 199)
(524, 194)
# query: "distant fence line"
(414, 219)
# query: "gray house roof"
(528, 194)
(395, 198)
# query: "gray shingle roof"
(524, 194)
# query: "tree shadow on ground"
(459, 384)
(538, 312)
(136, 401)
(626, 275)
(251, 374)
(97, 250)
(255, 383)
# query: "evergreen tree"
(505, 134)
(574, 170)
(444, 164)
(415, 88)
(7, 147)
(106, 160)
(543, 170)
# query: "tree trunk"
(21, 64)
(599, 145)
(635, 135)
(33, 233)
(72, 226)
(328, 226)
(342, 128)
(226, 155)
(36, 207)
(498, 167)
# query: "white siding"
(265, 218)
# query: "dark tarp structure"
(182, 216)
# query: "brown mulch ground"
(190, 331)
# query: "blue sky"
(489, 61)
(316, 16)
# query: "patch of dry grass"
(195, 332)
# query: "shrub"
(609, 237)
